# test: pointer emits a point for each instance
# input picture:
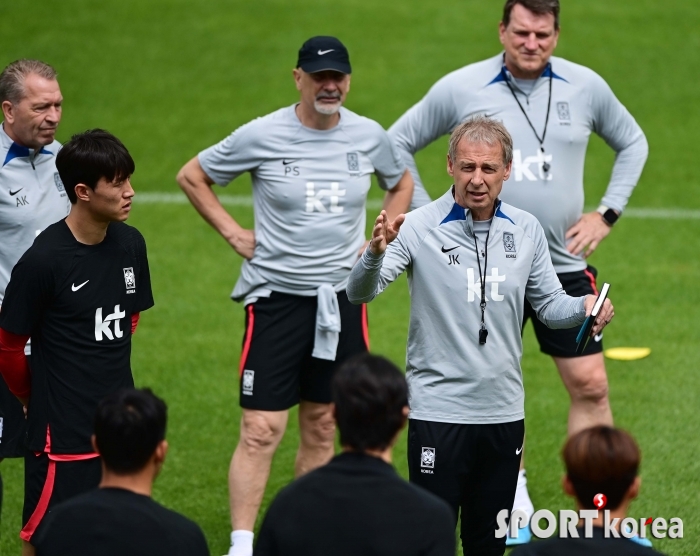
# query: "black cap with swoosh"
(324, 53)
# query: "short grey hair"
(13, 76)
(481, 129)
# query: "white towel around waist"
(327, 324)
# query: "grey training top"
(582, 102)
(31, 198)
(309, 195)
(451, 378)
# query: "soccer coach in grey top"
(471, 261)
(550, 106)
(311, 164)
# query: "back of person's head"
(129, 426)
(90, 156)
(603, 460)
(370, 396)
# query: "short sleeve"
(30, 291)
(240, 152)
(388, 163)
(143, 280)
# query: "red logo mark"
(648, 521)
(600, 500)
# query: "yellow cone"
(627, 353)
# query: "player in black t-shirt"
(77, 291)
(357, 504)
(120, 518)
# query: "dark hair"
(129, 425)
(369, 393)
(603, 460)
(92, 155)
(540, 7)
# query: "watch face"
(610, 216)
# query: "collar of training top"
(324, 53)
(503, 73)
(17, 151)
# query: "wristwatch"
(609, 215)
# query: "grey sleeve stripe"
(364, 278)
(562, 311)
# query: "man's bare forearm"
(398, 200)
(197, 186)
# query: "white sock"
(241, 543)
(522, 497)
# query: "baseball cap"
(324, 53)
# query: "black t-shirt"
(12, 424)
(597, 546)
(117, 522)
(76, 302)
(357, 504)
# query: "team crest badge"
(563, 111)
(427, 457)
(248, 379)
(58, 182)
(130, 279)
(353, 163)
(508, 242)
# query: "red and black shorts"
(562, 343)
(277, 369)
(50, 479)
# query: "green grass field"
(170, 77)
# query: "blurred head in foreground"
(130, 433)
(602, 460)
(370, 400)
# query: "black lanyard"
(545, 165)
(482, 331)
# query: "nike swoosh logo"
(13, 193)
(76, 288)
(450, 249)
(598, 337)
(518, 452)
(322, 52)
(285, 162)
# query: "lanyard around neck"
(545, 165)
(482, 331)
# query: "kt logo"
(522, 166)
(314, 197)
(102, 326)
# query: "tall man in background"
(550, 106)
(31, 194)
(311, 164)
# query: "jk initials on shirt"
(313, 197)
(102, 325)
(474, 286)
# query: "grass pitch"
(171, 77)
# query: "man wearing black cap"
(310, 164)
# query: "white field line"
(376, 204)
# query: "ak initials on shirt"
(102, 326)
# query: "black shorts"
(562, 343)
(277, 369)
(48, 482)
(472, 467)
(13, 425)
